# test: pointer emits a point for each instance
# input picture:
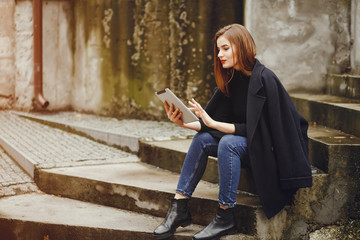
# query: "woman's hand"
(174, 115)
(201, 113)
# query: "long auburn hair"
(240, 38)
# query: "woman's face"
(226, 53)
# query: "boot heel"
(232, 231)
(185, 224)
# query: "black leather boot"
(178, 215)
(223, 224)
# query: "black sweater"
(230, 109)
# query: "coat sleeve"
(289, 135)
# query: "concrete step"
(130, 134)
(337, 154)
(154, 150)
(34, 145)
(322, 144)
(46, 149)
(40, 216)
(124, 134)
(170, 155)
(121, 184)
(330, 111)
(343, 85)
(146, 189)
(142, 188)
(330, 149)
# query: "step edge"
(49, 171)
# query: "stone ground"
(13, 180)
(67, 153)
(147, 130)
(350, 230)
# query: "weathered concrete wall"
(126, 50)
(57, 54)
(355, 37)
(6, 53)
(301, 41)
(24, 84)
(109, 57)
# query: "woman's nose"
(219, 54)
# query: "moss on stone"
(349, 230)
(147, 45)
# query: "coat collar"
(255, 102)
(255, 80)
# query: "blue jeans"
(231, 151)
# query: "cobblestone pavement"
(13, 180)
(148, 130)
(50, 147)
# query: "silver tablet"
(168, 96)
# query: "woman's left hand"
(201, 113)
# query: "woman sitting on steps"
(250, 121)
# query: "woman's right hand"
(174, 115)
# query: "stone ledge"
(330, 111)
(343, 85)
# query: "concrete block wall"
(6, 53)
(57, 54)
(23, 64)
(301, 41)
(355, 37)
(108, 57)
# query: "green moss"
(114, 53)
(350, 230)
(148, 45)
(353, 172)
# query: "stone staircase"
(335, 145)
(103, 178)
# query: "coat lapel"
(255, 102)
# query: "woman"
(250, 121)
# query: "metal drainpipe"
(38, 68)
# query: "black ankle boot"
(178, 215)
(223, 224)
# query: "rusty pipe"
(38, 64)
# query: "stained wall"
(138, 47)
(109, 57)
(301, 41)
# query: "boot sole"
(230, 231)
(172, 231)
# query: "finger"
(173, 114)
(178, 116)
(192, 104)
(197, 105)
(166, 106)
(195, 102)
(176, 111)
(172, 108)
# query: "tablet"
(168, 96)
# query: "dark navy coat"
(277, 140)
